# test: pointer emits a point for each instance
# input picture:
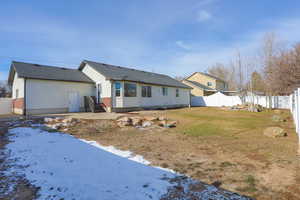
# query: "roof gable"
(45, 72)
(208, 75)
(128, 74)
(199, 85)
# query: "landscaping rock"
(171, 124)
(150, 118)
(70, 120)
(124, 119)
(59, 119)
(124, 123)
(47, 119)
(277, 118)
(136, 121)
(147, 124)
(275, 132)
(167, 124)
(255, 108)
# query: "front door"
(74, 102)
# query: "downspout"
(112, 95)
(24, 113)
(190, 95)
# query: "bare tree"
(225, 73)
(256, 82)
(179, 78)
(4, 89)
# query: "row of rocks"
(144, 122)
(248, 107)
(60, 122)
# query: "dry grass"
(215, 145)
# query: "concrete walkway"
(86, 115)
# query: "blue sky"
(174, 37)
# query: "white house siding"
(17, 100)
(156, 100)
(45, 96)
(98, 78)
(18, 84)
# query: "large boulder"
(275, 132)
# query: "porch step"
(90, 105)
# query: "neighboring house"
(204, 84)
(40, 89)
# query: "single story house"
(41, 89)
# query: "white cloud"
(248, 45)
(183, 45)
(203, 16)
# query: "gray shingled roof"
(199, 85)
(35, 71)
(127, 74)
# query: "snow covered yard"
(64, 167)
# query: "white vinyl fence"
(269, 101)
(5, 106)
(219, 99)
(216, 100)
(295, 110)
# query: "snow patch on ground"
(126, 154)
(67, 168)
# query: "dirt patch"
(12, 187)
(215, 146)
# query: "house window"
(17, 93)
(165, 91)
(146, 91)
(130, 90)
(209, 84)
(118, 89)
(177, 92)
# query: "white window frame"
(120, 89)
(148, 91)
(164, 91)
(136, 88)
(177, 92)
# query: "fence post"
(298, 117)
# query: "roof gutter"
(188, 87)
(24, 109)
